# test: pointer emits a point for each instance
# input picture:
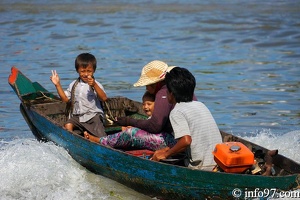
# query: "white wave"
(287, 144)
(34, 170)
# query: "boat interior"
(266, 162)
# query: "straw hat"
(153, 72)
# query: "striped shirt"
(194, 119)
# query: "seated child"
(85, 95)
(148, 106)
(148, 103)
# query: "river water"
(244, 55)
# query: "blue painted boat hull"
(152, 178)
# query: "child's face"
(148, 107)
(85, 72)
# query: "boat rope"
(109, 117)
(70, 103)
(45, 96)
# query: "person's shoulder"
(161, 94)
(197, 103)
(73, 82)
(191, 105)
(163, 90)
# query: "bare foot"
(90, 137)
(124, 128)
(86, 135)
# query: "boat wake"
(34, 170)
(287, 144)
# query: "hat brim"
(146, 80)
(143, 81)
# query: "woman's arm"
(159, 120)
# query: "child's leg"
(73, 123)
(94, 126)
(136, 138)
(69, 126)
(111, 140)
(131, 137)
(145, 140)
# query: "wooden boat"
(45, 114)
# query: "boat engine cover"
(233, 157)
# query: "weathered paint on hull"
(153, 178)
(149, 177)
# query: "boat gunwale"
(31, 111)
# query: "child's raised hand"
(54, 78)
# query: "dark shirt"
(159, 121)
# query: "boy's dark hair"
(148, 96)
(181, 83)
(84, 60)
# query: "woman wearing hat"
(158, 128)
(153, 76)
(153, 133)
